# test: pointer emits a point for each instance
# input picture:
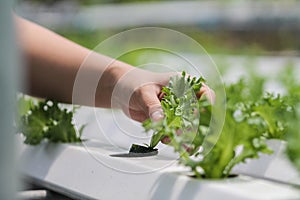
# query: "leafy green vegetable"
(293, 138)
(250, 121)
(182, 115)
(291, 82)
(246, 129)
(45, 120)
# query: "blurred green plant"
(290, 80)
(44, 119)
(293, 138)
(213, 43)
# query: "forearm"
(55, 65)
(52, 63)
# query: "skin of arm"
(52, 63)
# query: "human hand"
(138, 94)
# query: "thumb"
(157, 114)
(151, 104)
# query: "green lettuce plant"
(249, 123)
(44, 119)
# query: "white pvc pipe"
(8, 79)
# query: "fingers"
(207, 92)
(137, 115)
(165, 140)
(152, 96)
(145, 101)
(161, 96)
(157, 114)
(149, 100)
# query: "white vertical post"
(8, 82)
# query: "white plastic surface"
(72, 170)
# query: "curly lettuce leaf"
(45, 120)
(181, 109)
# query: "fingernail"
(157, 115)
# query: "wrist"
(110, 77)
